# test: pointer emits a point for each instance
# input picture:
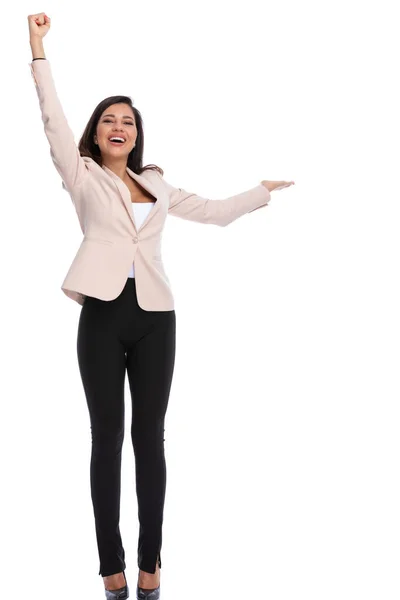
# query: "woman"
(127, 321)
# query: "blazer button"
(134, 240)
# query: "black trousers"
(113, 337)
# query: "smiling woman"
(114, 136)
(127, 322)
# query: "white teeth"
(117, 138)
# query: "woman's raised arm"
(63, 150)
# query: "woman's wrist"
(37, 48)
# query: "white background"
(282, 431)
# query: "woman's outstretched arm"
(192, 207)
(63, 150)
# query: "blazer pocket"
(90, 238)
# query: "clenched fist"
(39, 25)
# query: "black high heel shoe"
(142, 594)
(120, 593)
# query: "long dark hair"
(87, 147)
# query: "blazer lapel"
(126, 195)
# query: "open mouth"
(115, 141)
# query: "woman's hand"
(39, 25)
(276, 185)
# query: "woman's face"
(117, 120)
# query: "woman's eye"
(109, 121)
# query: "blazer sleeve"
(190, 206)
(63, 150)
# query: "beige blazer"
(111, 241)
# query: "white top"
(140, 211)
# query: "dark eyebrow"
(124, 117)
